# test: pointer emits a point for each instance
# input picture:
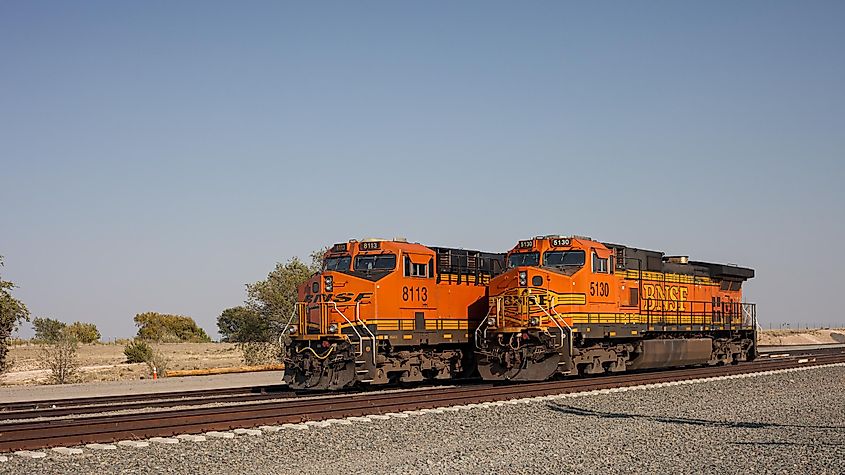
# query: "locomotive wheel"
(491, 369)
(330, 376)
(304, 370)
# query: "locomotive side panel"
(573, 305)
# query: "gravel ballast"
(783, 423)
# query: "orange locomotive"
(571, 305)
(384, 311)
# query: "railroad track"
(96, 404)
(107, 428)
(92, 405)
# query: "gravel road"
(783, 423)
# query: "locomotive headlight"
(292, 329)
(491, 321)
(329, 281)
(523, 278)
(333, 328)
(533, 322)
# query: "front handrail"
(554, 320)
(367, 328)
(284, 333)
(485, 325)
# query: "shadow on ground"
(576, 411)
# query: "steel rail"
(84, 401)
(96, 404)
(67, 407)
(32, 435)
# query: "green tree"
(12, 312)
(274, 298)
(163, 327)
(317, 259)
(47, 329)
(83, 332)
(242, 324)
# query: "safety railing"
(554, 320)
(727, 315)
(326, 310)
(481, 329)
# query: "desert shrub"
(47, 329)
(60, 358)
(158, 363)
(257, 353)
(161, 327)
(83, 332)
(138, 352)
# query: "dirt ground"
(801, 337)
(106, 362)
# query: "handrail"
(324, 317)
(372, 336)
(554, 320)
(484, 324)
(295, 311)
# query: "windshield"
(524, 259)
(375, 262)
(340, 263)
(563, 258)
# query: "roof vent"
(677, 259)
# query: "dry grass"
(106, 361)
(801, 337)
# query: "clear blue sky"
(159, 155)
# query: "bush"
(161, 327)
(47, 329)
(257, 353)
(83, 332)
(60, 358)
(138, 352)
(158, 363)
(241, 324)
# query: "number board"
(341, 247)
(558, 242)
(369, 246)
(528, 244)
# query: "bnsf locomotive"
(571, 305)
(388, 311)
(385, 311)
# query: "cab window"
(416, 270)
(563, 258)
(524, 259)
(599, 264)
(340, 263)
(375, 262)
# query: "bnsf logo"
(339, 298)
